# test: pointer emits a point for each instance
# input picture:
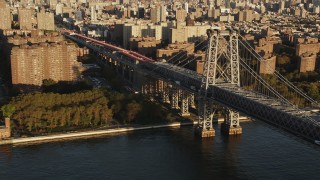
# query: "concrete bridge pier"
(231, 124)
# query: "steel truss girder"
(291, 123)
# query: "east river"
(261, 152)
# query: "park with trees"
(41, 113)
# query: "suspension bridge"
(230, 80)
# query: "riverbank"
(94, 133)
(76, 135)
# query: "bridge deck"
(271, 109)
(175, 72)
(275, 104)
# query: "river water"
(261, 152)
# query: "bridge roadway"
(258, 106)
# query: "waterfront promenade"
(73, 135)
(99, 132)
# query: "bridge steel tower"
(221, 67)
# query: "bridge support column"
(165, 94)
(174, 98)
(191, 100)
(123, 68)
(231, 125)
(205, 128)
(159, 88)
(110, 62)
(145, 88)
(152, 87)
(131, 74)
(180, 95)
(185, 104)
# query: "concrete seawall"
(88, 133)
(77, 135)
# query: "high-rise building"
(307, 62)
(78, 15)
(141, 30)
(158, 14)
(30, 65)
(181, 15)
(268, 64)
(45, 20)
(155, 15)
(211, 4)
(25, 18)
(124, 1)
(126, 12)
(186, 6)
(213, 13)
(59, 8)
(141, 12)
(187, 33)
(53, 3)
(93, 13)
(5, 16)
(218, 3)
(248, 15)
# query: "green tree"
(314, 91)
(283, 59)
(8, 110)
(76, 117)
(133, 109)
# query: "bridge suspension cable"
(249, 49)
(257, 82)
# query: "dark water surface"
(260, 153)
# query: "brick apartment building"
(30, 64)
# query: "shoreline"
(78, 135)
(95, 133)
